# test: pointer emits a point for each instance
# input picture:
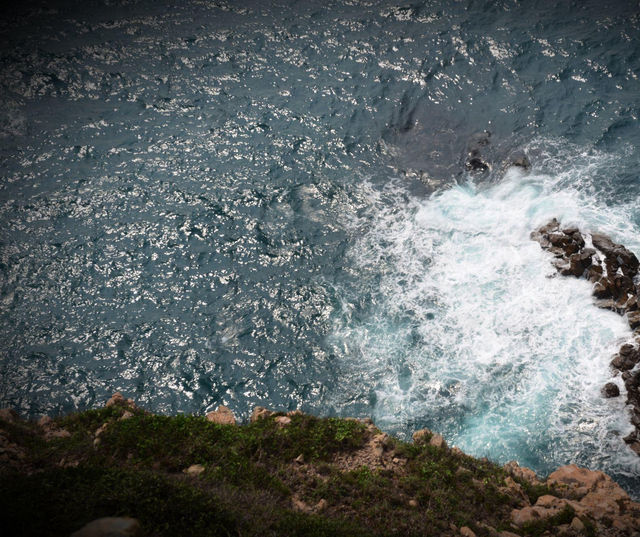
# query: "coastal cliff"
(279, 474)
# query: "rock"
(438, 441)
(634, 319)
(475, 161)
(413, 502)
(45, 422)
(194, 470)
(8, 414)
(258, 413)
(610, 390)
(110, 527)
(126, 415)
(422, 436)
(577, 525)
(116, 399)
(580, 480)
(520, 517)
(299, 459)
(222, 416)
(467, 532)
(626, 359)
(521, 472)
(283, 421)
(507, 534)
(520, 160)
(321, 505)
(603, 243)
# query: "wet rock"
(222, 416)
(110, 527)
(634, 319)
(475, 161)
(519, 159)
(610, 390)
(628, 356)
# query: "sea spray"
(467, 329)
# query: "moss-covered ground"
(252, 484)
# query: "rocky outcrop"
(591, 496)
(613, 270)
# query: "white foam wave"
(468, 330)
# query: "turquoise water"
(207, 203)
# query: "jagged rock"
(580, 480)
(110, 527)
(222, 416)
(258, 413)
(521, 472)
(610, 390)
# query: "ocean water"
(265, 203)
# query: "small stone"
(321, 505)
(610, 390)
(110, 527)
(413, 502)
(467, 532)
(194, 470)
(126, 415)
(283, 421)
(299, 459)
(222, 416)
(577, 525)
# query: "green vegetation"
(254, 482)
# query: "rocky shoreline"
(279, 474)
(613, 270)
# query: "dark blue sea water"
(265, 203)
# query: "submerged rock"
(610, 390)
(475, 162)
